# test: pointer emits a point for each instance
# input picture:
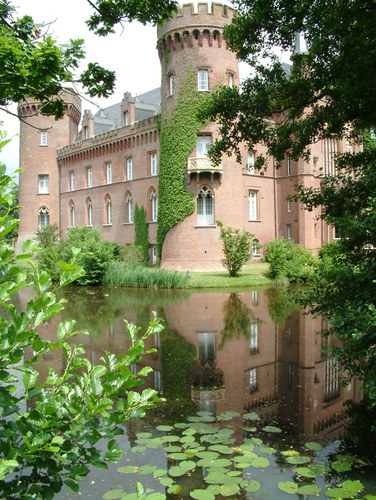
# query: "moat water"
(221, 353)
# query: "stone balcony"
(199, 165)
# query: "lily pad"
(243, 465)
(260, 462)
(214, 488)
(271, 428)
(305, 472)
(250, 429)
(172, 449)
(165, 428)
(166, 481)
(313, 446)
(207, 454)
(288, 487)
(181, 425)
(255, 441)
(143, 435)
(349, 489)
(187, 439)
(113, 494)
(290, 453)
(234, 473)
(228, 490)
(220, 448)
(253, 486)
(138, 449)
(177, 471)
(177, 456)
(129, 469)
(251, 416)
(267, 449)
(202, 494)
(147, 469)
(341, 466)
(156, 496)
(159, 472)
(301, 459)
(228, 415)
(319, 468)
(216, 478)
(175, 489)
(309, 489)
(248, 446)
(188, 465)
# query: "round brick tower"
(192, 42)
(40, 137)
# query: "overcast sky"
(130, 52)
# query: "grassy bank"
(251, 275)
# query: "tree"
(330, 91)
(236, 248)
(35, 66)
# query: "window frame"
(251, 163)
(129, 167)
(89, 176)
(253, 211)
(203, 83)
(109, 173)
(205, 210)
(43, 213)
(71, 180)
(43, 138)
(171, 85)
(154, 206)
(108, 205)
(153, 162)
(43, 184)
(288, 232)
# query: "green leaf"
(288, 487)
(113, 494)
(202, 494)
(340, 466)
(174, 490)
(30, 378)
(347, 490)
(271, 428)
(253, 486)
(309, 489)
(128, 469)
(177, 471)
(313, 446)
(73, 485)
(298, 460)
(251, 416)
(228, 490)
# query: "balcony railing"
(198, 165)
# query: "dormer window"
(126, 118)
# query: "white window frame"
(43, 139)
(153, 164)
(108, 173)
(171, 85)
(108, 211)
(129, 169)
(255, 249)
(203, 80)
(289, 232)
(203, 145)
(43, 184)
(130, 209)
(289, 203)
(252, 205)
(89, 174)
(43, 217)
(253, 338)
(86, 132)
(126, 118)
(71, 177)
(251, 162)
(89, 209)
(230, 80)
(154, 206)
(72, 214)
(205, 208)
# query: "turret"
(40, 136)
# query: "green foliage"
(290, 260)
(141, 231)
(282, 303)
(237, 318)
(120, 274)
(48, 238)
(177, 140)
(236, 248)
(9, 206)
(131, 254)
(50, 429)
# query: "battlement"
(207, 15)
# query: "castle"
(97, 174)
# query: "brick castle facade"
(96, 175)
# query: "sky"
(131, 52)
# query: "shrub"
(236, 248)
(48, 238)
(120, 274)
(290, 260)
(131, 254)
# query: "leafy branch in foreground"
(49, 429)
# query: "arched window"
(129, 208)
(108, 204)
(154, 206)
(43, 217)
(255, 248)
(205, 207)
(89, 212)
(72, 214)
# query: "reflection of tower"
(40, 137)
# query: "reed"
(121, 274)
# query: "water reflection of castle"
(244, 360)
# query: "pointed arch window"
(154, 206)
(72, 214)
(129, 208)
(108, 210)
(89, 212)
(43, 217)
(205, 207)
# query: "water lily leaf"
(319, 468)
(187, 439)
(174, 489)
(156, 496)
(113, 494)
(188, 465)
(305, 472)
(247, 457)
(349, 489)
(288, 487)
(248, 446)
(214, 488)
(165, 428)
(166, 481)
(189, 432)
(255, 441)
(143, 435)
(172, 449)
(129, 496)
(225, 450)
(177, 456)
(147, 469)
(271, 428)
(205, 418)
(202, 495)
(128, 469)
(138, 449)
(190, 453)
(204, 462)
(216, 478)
(250, 429)
(267, 449)
(204, 413)
(309, 489)
(181, 425)
(313, 446)
(226, 432)
(228, 490)
(251, 416)
(290, 453)
(159, 472)
(234, 473)
(301, 459)
(221, 462)
(217, 469)
(177, 471)
(260, 462)
(170, 438)
(207, 454)
(154, 443)
(242, 465)
(228, 415)
(253, 486)
(340, 466)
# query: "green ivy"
(141, 229)
(177, 141)
(368, 142)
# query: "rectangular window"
(373, 133)
(154, 208)
(289, 205)
(206, 345)
(129, 169)
(71, 177)
(89, 176)
(253, 338)
(203, 80)
(289, 233)
(288, 166)
(126, 118)
(252, 201)
(171, 85)
(108, 173)
(230, 80)
(153, 163)
(43, 139)
(130, 210)
(86, 133)
(43, 184)
(154, 255)
(252, 380)
(251, 162)
(203, 145)
(89, 215)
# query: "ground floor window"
(205, 207)
(43, 217)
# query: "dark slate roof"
(147, 105)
